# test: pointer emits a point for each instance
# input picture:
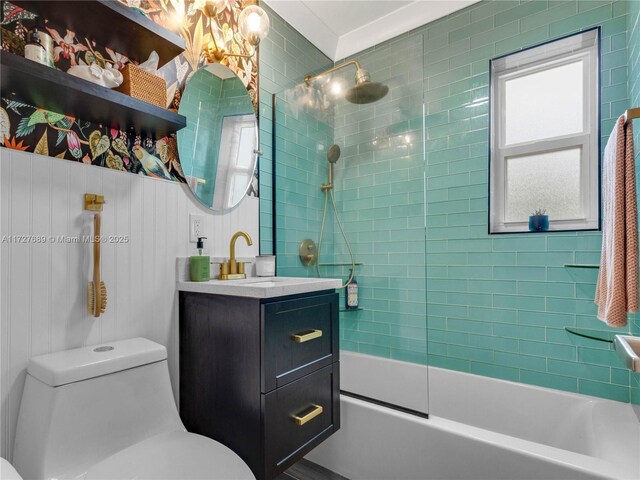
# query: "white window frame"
(582, 47)
(228, 160)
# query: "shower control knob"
(308, 252)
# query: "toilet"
(108, 412)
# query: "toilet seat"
(7, 472)
(174, 455)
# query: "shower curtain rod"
(631, 113)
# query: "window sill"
(550, 231)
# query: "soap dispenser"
(351, 293)
(199, 265)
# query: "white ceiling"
(341, 28)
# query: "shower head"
(333, 154)
(365, 91)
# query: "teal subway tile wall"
(302, 140)
(285, 58)
(495, 305)
(498, 305)
(633, 42)
(379, 191)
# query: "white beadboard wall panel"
(43, 305)
(5, 175)
(40, 253)
(19, 275)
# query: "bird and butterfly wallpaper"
(29, 128)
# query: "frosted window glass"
(544, 104)
(549, 181)
(245, 147)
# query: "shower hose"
(327, 193)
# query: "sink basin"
(628, 349)
(262, 287)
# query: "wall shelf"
(351, 309)
(54, 90)
(592, 334)
(339, 264)
(111, 24)
(580, 265)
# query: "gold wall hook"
(93, 202)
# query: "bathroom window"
(545, 129)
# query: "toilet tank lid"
(70, 366)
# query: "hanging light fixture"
(253, 24)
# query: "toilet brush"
(96, 290)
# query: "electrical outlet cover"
(196, 227)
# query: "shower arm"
(308, 78)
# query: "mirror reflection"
(218, 147)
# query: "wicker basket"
(143, 85)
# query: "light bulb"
(253, 23)
(336, 88)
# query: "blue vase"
(538, 223)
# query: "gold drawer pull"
(317, 410)
(306, 336)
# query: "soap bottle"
(199, 265)
(351, 293)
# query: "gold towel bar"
(631, 114)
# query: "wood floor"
(306, 470)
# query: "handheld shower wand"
(333, 154)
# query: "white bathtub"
(482, 429)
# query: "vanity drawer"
(299, 337)
(299, 416)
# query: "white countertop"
(261, 287)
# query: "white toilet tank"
(81, 406)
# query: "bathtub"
(479, 429)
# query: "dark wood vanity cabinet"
(261, 376)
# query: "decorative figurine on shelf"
(107, 77)
(539, 221)
(100, 71)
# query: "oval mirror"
(218, 147)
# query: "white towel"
(617, 289)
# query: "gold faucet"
(233, 270)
